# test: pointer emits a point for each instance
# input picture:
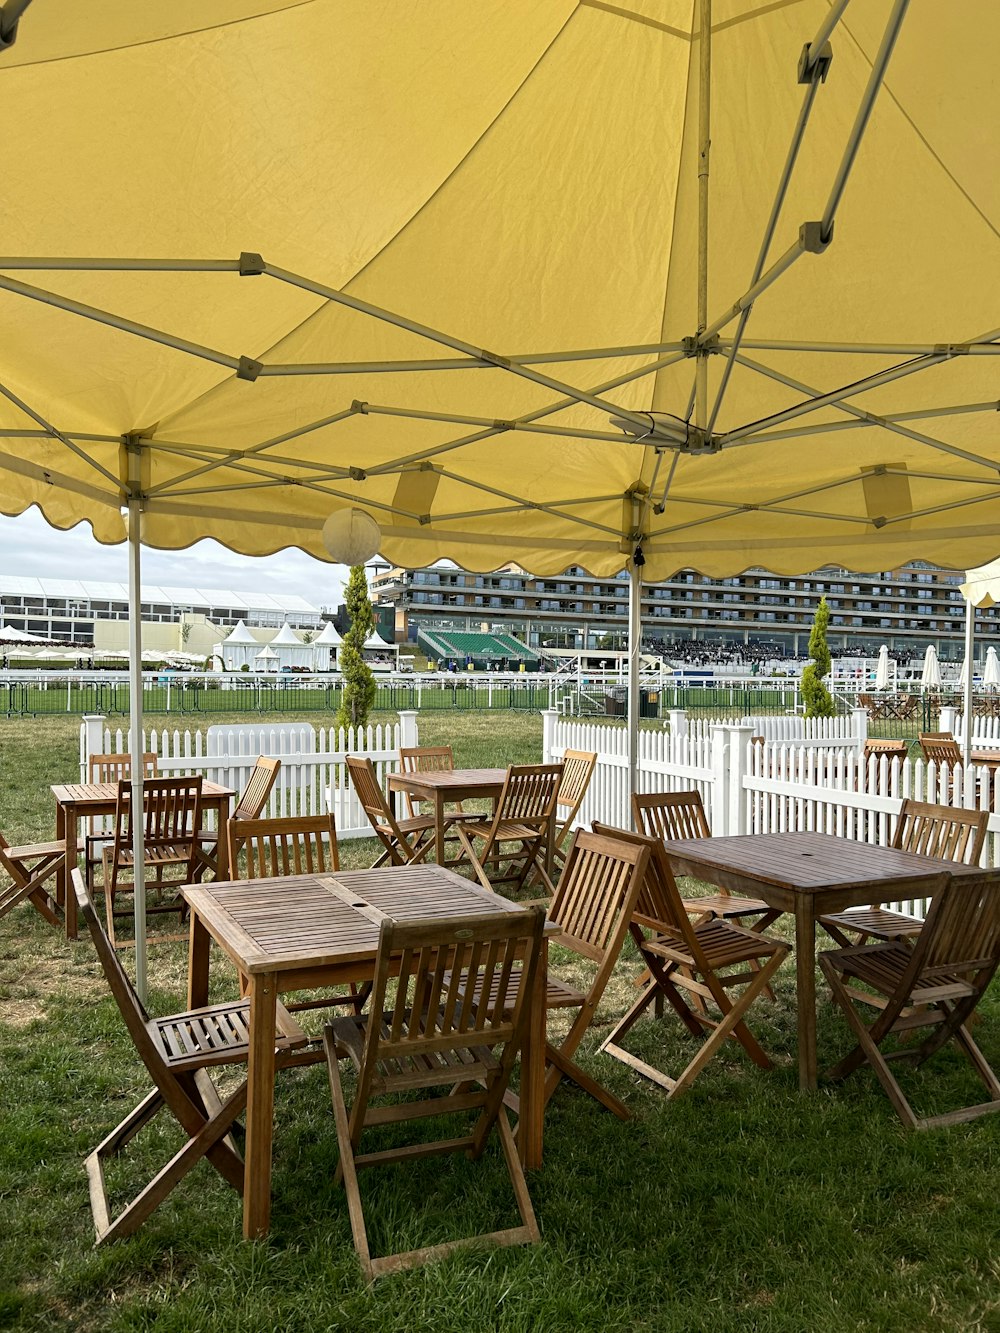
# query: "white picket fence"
(774, 787)
(313, 777)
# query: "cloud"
(30, 548)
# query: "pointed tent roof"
(287, 638)
(375, 640)
(329, 637)
(266, 654)
(240, 635)
(573, 295)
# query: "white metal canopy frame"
(386, 234)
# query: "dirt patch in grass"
(22, 1013)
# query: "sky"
(29, 547)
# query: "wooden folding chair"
(425, 759)
(178, 1051)
(103, 768)
(937, 983)
(683, 955)
(432, 1033)
(940, 747)
(681, 814)
(29, 868)
(578, 769)
(892, 749)
(592, 907)
(941, 831)
(250, 806)
(406, 841)
(172, 824)
(293, 845)
(519, 831)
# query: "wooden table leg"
(199, 941)
(439, 827)
(805, 986)
(260, 1106)
(66, 828)
(532, 1095)
(222, 846)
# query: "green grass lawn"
(743, 1206)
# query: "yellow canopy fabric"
(472, 220)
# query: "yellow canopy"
(469, 238)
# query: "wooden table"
(305, 931)
(440, 786)
(85, 800)
(809, 875)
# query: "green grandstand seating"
(482, 648)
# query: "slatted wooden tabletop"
(99, 793)
(803, 863)
(308, 921)
(469, 781)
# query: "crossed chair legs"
(671, 973)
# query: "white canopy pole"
(970, 630)
(634, 652)
(704, 149)
(135, 709)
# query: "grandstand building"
(906, 608)
(91, 614)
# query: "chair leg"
(346, 1170)
(202, 1144)
(564, 1067)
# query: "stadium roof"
(88, 589)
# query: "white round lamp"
(351, 536)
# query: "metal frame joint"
(251, 264)
(815, 68)
(248, 369)
(812, 238)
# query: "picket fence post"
(677, 720)
(408, 728)
(733, 744)
(860, 716)
(549, 716)
(93, 741)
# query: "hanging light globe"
(351, 536)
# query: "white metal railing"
(313, 776)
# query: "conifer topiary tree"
(818, 699)
(359, 683)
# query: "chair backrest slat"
(114, 767)
(258, 788)
(529, 793)
(578, 768)
(940, 747)
(424, 759)
(596, 894)
(658, 905)
(171, 811)
(670, 814)
(941, 831)
(296, 845)
(443, 964)
(962, 930)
